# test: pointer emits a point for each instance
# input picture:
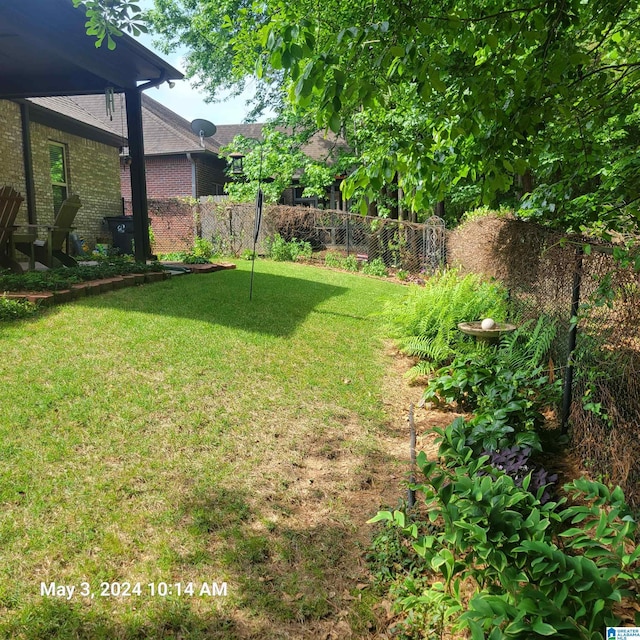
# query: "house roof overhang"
(63, 122)
(44, 51)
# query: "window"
(59, 178)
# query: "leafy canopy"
(501, 96)
(107, 19)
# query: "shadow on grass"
(285, 579)
(279, 303)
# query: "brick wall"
(92, 167)
(172, 222)
(11, 162)
(93, 175)
(167, 177)
(211, 175)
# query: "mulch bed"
(94, 287)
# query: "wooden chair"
(49, 251)
(10, 201)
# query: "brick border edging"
(88, 288)
(94, 287)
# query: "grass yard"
(177, 433)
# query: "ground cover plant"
(180, 434)
(497, 550)
(14, 309)
(65, 277)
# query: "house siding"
(92, 168)
(11, 155)
(93, 175)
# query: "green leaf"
(543, 628)
(335, 123)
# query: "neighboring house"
(178, 163)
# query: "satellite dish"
(203, 128)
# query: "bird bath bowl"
(490, 336)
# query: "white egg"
(488, 323)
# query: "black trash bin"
(121, 229)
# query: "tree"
(499, 96)
(488, 91)
(278, 159)
(107, 19)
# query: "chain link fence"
(595, 304)
(398, 244)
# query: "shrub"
(506, 387)
(333, 260)
(15, 309)
(375, 267)
(282, 250)
(426, 321)
(202, 248)
(540, 569)
(350, 263)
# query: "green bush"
(350, 263)
(333, 260)
(539, 569)
(283, 250)
(202, 248)
(506, 387)
(15, 309)
(536, 565)
(375, 267)
(426, 321)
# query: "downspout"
(194, 195)
(194, 191)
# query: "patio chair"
(49, 252)
(10, 201)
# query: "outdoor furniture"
(45, 251)
(10, 201)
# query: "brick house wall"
(172, 221)
(92, 168)
(171, 176)
(167, 177)
(93, 175)
(211, 175)
(11, 155)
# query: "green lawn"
(180, 433)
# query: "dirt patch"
(314, 496)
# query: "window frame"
(65, 172)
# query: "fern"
(527, 349)
(426, 321)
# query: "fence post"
(348, 236)
(567, 395)
(411, 495)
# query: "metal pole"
(256, 226)
(573, 334)
(411, 499)
(348, 233)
